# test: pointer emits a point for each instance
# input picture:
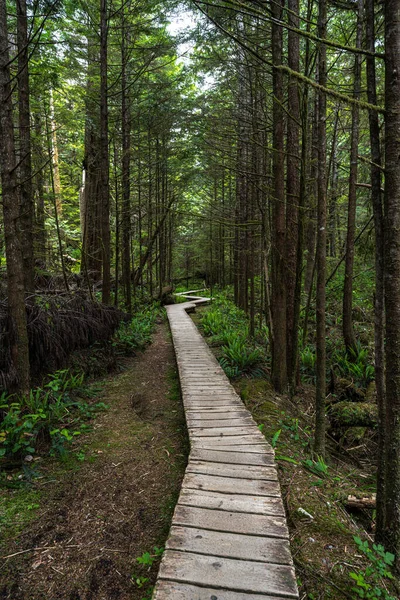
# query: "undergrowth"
(55, 413)
(332, 554)
(227, 327)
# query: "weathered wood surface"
(229, 538)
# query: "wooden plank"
(227, 470)
(168, 590)
(237, 575)
(214, 415)
(233, 440)
(222, 520)
(214, 411)
(230, 485)
(221, 431)
(229, 545)
(231, 457)
(248, 449)
(255, 505)
(194, 423)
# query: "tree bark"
(320, 426)
(104, 159)
(91, 213)
(348, 329)
(391, 533)
(278, 294)
(11, 216)
(377, 207)
(292, 191)
(25, 151)
(126, 161)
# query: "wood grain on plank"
(231, 456)
(237, 575)
(227, 470)
(254, 505)
(166, 590)
(229, 545)
(221, 520)
(230, 485)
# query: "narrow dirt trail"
(98, 516)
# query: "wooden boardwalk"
(229, 538)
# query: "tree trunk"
(348, 329)
(278, 295)
(126, 160)
(377, 207)
(25, 158)
(320, 426)
(15, 268)
(40, 229)
(91, 198)
(104, 160)
(391, 533)
(292, 190)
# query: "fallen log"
(353, 414)
(360, 503)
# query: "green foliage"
(241, 358)
(18, 431)
(371, 582)
(318, 467)
(48, 413)
(356, 365)
(308, 359)
(136, 334)
(275, 438)
(212, 323)
(227, 325)
(146, 561)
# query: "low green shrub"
(356, 365)
(136, 334)
(49, 414)
(371, 583)
(308, 360)
(238, 357)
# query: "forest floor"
(76, 532)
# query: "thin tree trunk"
(55, 159)
(278, 295)
(320, 426)
(348, 329)
(104, 159)
(9, 185)
(40, 229)
(377, 206)
(292, 191)
(50, 150)
(25, 167)
(392, 277)
(126, 160)
(91, 218)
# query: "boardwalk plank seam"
(229, 538)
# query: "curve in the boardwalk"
(229, 538)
